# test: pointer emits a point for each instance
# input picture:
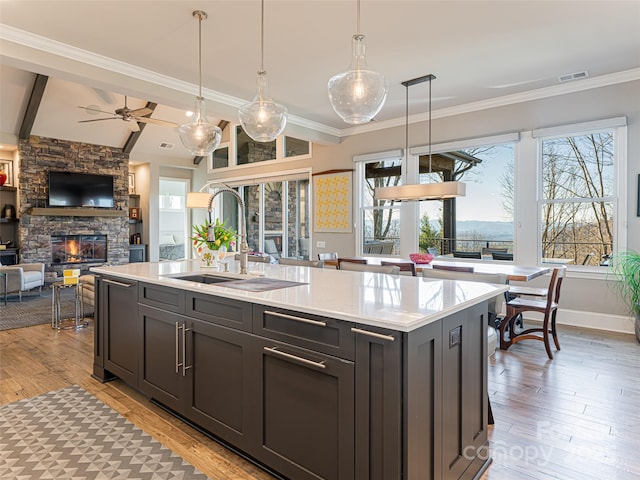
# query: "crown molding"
(546, 92)
(47, 45)
(50, 46)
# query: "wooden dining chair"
(361, 261)
(452, 268)
(547, 305)
(502, 256)
(301, 263)
(404, 266)
(367, 267)
(495, 304)
(477, 255)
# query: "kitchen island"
(312, 373)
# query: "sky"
(483, 200)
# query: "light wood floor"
(576, 417)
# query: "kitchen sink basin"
(204, 278)
(248, 284)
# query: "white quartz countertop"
(397, 302)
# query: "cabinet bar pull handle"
(184, 350)
(295, 357)
(120, 284)
(297, 319)
(177, 348)
(373, 334)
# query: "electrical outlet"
(320, 244)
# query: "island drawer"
(314, 332)
(165, 298)
(219, 310)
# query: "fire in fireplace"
(78, 248)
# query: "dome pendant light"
(199, 136)
(358, 94)
(420, 191)
(263, 119)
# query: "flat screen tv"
(69, 189)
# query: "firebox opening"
(78, 249)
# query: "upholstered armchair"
(22, 277)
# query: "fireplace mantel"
(77, 212)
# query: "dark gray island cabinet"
(304, 395)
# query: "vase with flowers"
(212, 251)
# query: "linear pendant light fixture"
(420, 191)
(199, 136)
(358, 94)
(263, 119)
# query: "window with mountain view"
(482, 220)
(577, 198)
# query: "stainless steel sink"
(248, 284)
(205, 278)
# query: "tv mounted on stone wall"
(73, 189)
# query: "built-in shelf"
(78, 212)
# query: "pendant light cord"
(358, 16)
(406, 122)
(200, 54)
(430, 125)
(262, 36)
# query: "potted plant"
(210, 251)
(625, 268)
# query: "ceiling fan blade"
(132, 125)
(98, 119)
(140, 112)
(95, 110)
(156, 121)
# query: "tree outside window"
(577, 200)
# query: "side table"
(56, 320)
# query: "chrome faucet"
(244, 246)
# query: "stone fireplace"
(64, 239)
(72, 249)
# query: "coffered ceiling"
(482, 53)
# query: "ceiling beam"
(133, 138)
(222, 124)
(32, 107)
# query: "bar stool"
(56, 320)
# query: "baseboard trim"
(595, 321)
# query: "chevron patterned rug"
(70, 434)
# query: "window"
(482, 220)
(250, 151)
(241, 150)
(220, 156)
(578, 197)
(173, 219)
(277, 215)
(379, 219)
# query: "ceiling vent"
(167, 146)
(573, 76)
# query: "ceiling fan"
(131, 117)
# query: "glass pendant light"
(420, 191)
(263, 119)
(358, 94)
(199, 136)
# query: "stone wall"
(38, 155)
